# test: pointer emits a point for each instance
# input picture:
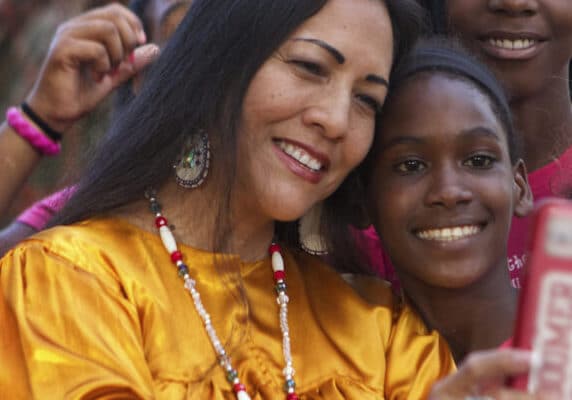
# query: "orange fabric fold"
(101, 313)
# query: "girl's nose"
(514, 7)
(448, 189)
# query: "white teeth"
(449, 234)
(518, 44)
(301, 156)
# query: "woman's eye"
(309, 66)
(370, 102)
(409, 166)
(480, 161)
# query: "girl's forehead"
(435, 102)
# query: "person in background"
(158, 20)
(26, 29)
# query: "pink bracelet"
(26, 130)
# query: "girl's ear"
(524, 201)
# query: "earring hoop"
(309, 234)
(193, 165)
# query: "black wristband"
(51, 133)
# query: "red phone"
(544, 320)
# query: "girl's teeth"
(518, 44)
(301, 156)
(449, 234)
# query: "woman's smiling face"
(309, 114)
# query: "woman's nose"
(330, 113)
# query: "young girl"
(446, 178)
(528, 45)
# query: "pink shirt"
(38, 215)
(377, 257)
(553, 179)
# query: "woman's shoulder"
(369, 289)
(105, 233)
(97, 246)
(362, 314)
(359, 295)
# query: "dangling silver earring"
(193, 166)
(310, 237)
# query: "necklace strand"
(282, 299)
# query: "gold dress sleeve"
(99, 358)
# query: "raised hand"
(90, 55)
(483, 375)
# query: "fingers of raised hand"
(140, 58)
(495, 364)
(114, 28)
(144, 55)
(116, 12)
(483, 374)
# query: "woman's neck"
(470, 318)
(545, 122)
(195, 217)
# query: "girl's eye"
(370, 102)
(480, 161)
(410, 166)
(309, 66)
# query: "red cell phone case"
(544, 320)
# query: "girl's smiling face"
(443, 190)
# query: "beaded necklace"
(282, 299)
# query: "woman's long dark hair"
(199, 82)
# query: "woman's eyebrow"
(338, 56)
(377, 79)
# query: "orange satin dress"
(14, 383)
(102, 314)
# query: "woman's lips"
(302, 161)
